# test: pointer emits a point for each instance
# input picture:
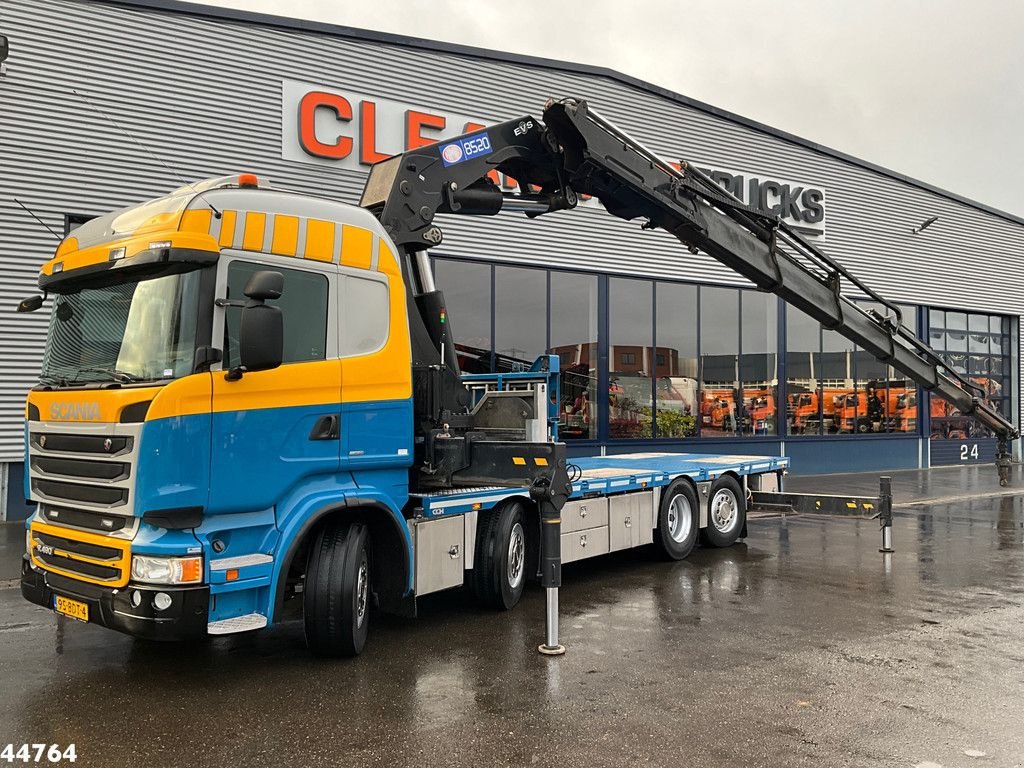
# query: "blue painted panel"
(376, 434)
(841, 453)
(226, 603)
(174, 463)
(612, 474)
(151, 540)
(262, 454)
(979, 450)
(852, 454)
(17, 492)
(243, 533)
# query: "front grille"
(73, 466)
(87, 470)
(88, 549)
(79, 518)
(79, 555)
(91, 494)
(80, 567)
(70, 443)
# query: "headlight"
(167, 570)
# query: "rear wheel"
(499, 563)
(336, 599)
(678, 520)
(727, 512)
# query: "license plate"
(72, 608)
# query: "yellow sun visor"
(161, 233)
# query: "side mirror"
(264, 285)
(261, 338)
(31, 304)
(261, 329)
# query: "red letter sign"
(310, 144)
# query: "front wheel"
(727, 512)
(500, 561)
(336, 600)
(678, 520)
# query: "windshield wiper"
(124, 377)
(53, 380)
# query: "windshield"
(139, 330)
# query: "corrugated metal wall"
(204, 96)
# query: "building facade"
(109, 103)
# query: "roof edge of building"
(306, 25)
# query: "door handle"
(326, 428)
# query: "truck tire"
(336, 599)
(678, 520)
(499, 563)
(727, 512)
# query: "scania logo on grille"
(42, 441)
(108, 444)
(74, 411)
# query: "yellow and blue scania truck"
(251, 405)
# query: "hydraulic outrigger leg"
(1003, 461)
(550, 499)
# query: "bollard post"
(885, 513)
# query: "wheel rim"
(516, 556)
(680, 518)
(724, 511)
(362, 590)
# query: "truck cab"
(225, 366)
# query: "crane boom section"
(576, 151)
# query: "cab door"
(276, 429)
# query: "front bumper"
(186, 617)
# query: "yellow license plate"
(72, 608)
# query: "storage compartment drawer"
(439, 554)
(579, 545)
(584, 513)
(630, 520)
(647, 513)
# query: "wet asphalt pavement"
(801, 646)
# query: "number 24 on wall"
(968, 451)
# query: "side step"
(237, 624)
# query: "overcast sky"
(933, 89)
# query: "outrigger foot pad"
(551, 650)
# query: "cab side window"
(303, 304)
(364, 315)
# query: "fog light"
(162, 601)
(135, 598)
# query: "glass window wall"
(721, 399)
(758, 367)
(573, 333)
(675, 389)
(520, 316)
(803, 376)
(977, 346)
(687, 361)
(630, 358)
(467, 297)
